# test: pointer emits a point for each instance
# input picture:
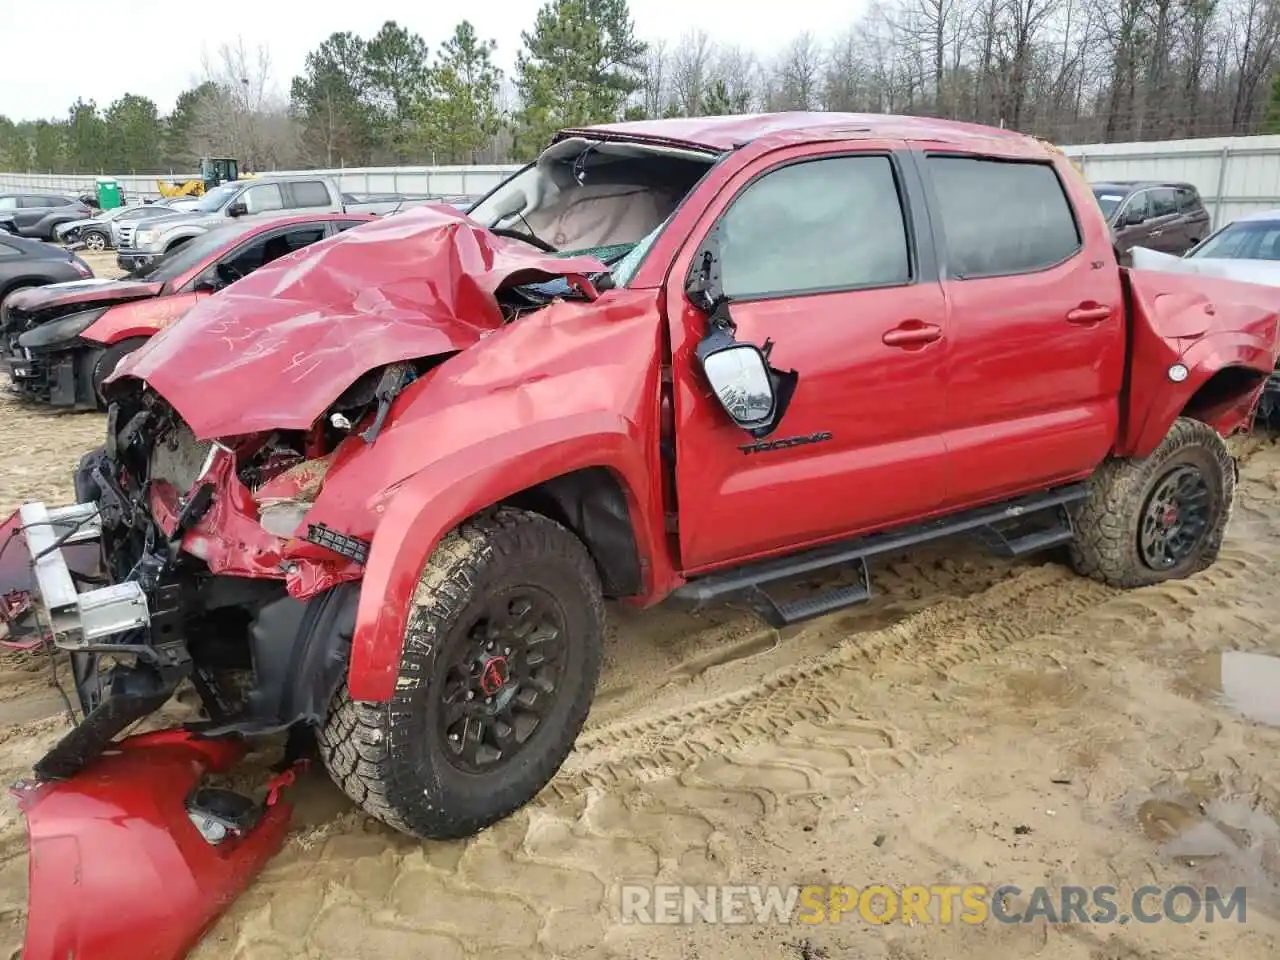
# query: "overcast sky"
(50, 57)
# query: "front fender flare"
(1203, 358)
(427, 505)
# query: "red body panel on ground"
(118, 871)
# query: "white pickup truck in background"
(259, 197)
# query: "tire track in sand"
(786, 709)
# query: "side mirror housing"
(752, 393)
(237, 208)
(207, 282)
(1133, 218)
(702, 286)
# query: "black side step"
(1001, 527)
(1019, 541)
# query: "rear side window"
(1001, 218)
(51, 202)
(309, 193)
(1188, 200)
(832, 224)
(1164, 202)
(32, 203)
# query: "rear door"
(1035, 359)
(1196, 224)
(31, 210)
(818, 253)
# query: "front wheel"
(1159, 518)
(95, 241)
(101, 362)
(501, 656)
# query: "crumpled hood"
(277, 348)
(86, 293)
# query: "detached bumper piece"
(134, 859)
(109, 619)
(77, 620)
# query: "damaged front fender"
(570, 387)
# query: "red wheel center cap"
(1170, 516)
(493, 675)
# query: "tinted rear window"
(309, 193)
(1001, 217)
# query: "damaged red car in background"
(60, 342)
(382, 487)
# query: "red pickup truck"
(392, 477)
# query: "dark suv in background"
(37, 214)
(1158, 215)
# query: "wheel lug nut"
(471, 695)
(506, 651)
(488, 699)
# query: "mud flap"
(131, 859)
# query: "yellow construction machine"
(213, 172)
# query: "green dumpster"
(108, 193)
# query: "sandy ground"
(980, 721)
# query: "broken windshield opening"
(599, 197)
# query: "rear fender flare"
(1203, 359)
(430, 503)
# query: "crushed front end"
(188, 578)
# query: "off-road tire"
(102, 361)
(1107, 523)
(388, 756)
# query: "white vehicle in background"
(106, 230)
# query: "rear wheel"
(500, 662)
(1159, 518)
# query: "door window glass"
(1002, 218)
(832, 224)
(262, 198)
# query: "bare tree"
(799, 75)
(247, 117)
(690, 72)
(654, 86)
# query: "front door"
(1131, 225)
(815, 254)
